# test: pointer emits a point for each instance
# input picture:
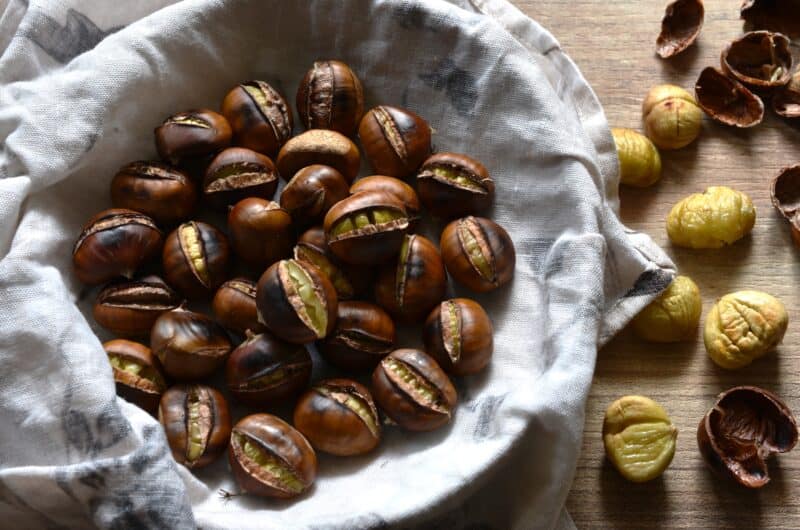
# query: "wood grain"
(613, 43)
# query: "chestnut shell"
(311, 192)
(727, 100)
(181, 135)
(461, 268)
(759, 59)
(179, 270)
(785, 195)
(263, 128)
(448, 199)
(129, 387)
(260, 231)
(234, 306)
(396, 141)
(130, 308)
(786, 100)
(363, 335)
(772, 15)
(682, 22)
(243, 162)
(319, 146)
(330, 96)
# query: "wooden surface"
(613, 44)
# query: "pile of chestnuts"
(336, 262)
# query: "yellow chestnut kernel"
(639, 438)
(639, 161)
(712, 219)
(672, 118)
(673, 316)
(744, 326)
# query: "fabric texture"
(83, 83)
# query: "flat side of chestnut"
(682, 22)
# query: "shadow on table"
(630, 505)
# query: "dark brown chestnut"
(323, 147)
(478, 253)
(261, 232)
(197, 423)
(396, 141)
(330, 97)
(270, 458)
(726, 100)
(137, 373)
(460, 336)
(364, 334)
(348, 280)
(130, 308)
(260, 117)
(234, 306)
(196, 259)
(237, 173)
(192, 133)
(155, 189)
(312, 192)
(760, 60)
(454, 185)
(114, 243)
(682, 22)
(339, 417)
(396, 187)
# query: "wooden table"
(613, 44)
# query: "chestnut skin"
(156, 189)
(396, 187)
(454, 185)
(364, 334)
(312, 192)
(330, 96)
(192, 133)
(186, 247)
(234, 306)
(396, 141)
(472, 348)
(348, 280)
(320, 146)
(142, 387)
(129, 308)
(494, 246)
(260, 117)
(237, 173)
(261, 232)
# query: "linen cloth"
(83, 83)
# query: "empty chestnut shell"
(396, 141)
(773, 15)
(478, 253)
(330, 97)
(348, 280)
(727, 100)
(312, 192)
(234, 306)
(114, 243)
(786, 100)
(155, 189)
(137, 373)
(759, 59)
(237, 173)
(460, 336)
(260, 117)
(745, 427)
(196, 258)
(130, 308)
(396, 187)
(364, 335)
(319, 146)
(454, 185)
(785, 193)
(192, 133)
(680, 27)
(261, 232)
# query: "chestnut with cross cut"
(195, 259)
(259, 115)
(192, 134)
(129, 308)
(396, 141)
(478, 253)
(237, 173)
(454, 185)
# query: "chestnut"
(348, 280)
(137, 373)
(237, 173)
(478, 253)
(270, 458)
(264, 370)
(234, 306)
(459, 335)
(296, 301)
(261, 232)
(192, 133)
(396, 187)
(413, 390)
(339, 417)
(454, 185)
(130, 308)
(311, 193)
(363, 335)
(411, 287)
(330, 96)
(114, 243)
(260, 117)
(396, 141)
(197, 423)
(319, 146)
(196, 258)
(366, 228)
(189, 345)
(155, 189)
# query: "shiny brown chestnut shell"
(260, 117)
(137, 373)
(156, 189)
(323, 147)
(195, 259)
(338, 416)
(759, 59)
(311, 192)
(197, 423)
(234, 306)
(409, 288)
(366, 228)
(478, 253)
(682, 22)
(413, 391)
(786, 100)
(396, 187)
(459, 335)
(192, 133)
(364, 335)
(454, 185)
(261, 232)
(130, 308)
(296, 301)
(189, 345)
(114, 243)
(237, 173)
(270, 458)
(744, 428)
(396, 141)
(348, 280)
(264, 370)
(727, 100)
(330, 96)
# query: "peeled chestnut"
(261, 232)
(396, 187)
(312, 192)
(155, 189)
(323, 147)
(348, 280)
(260, 117)
(114, 243)
(189, 345)
(339, 417)
(196, 258)
(137, 373)
(478, 253)
(330, 97)
(411, 287)
(234, 306)
(454, 185)
(364, 334)
(296, 301)
(396, 141)
(270, 458)
(264, 370)
(237, 173)
(197, 423)
(192, 133)
(130, 308)
(459, 335)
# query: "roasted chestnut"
(364, 334)
(760, 60)
(396, 187)
(727, 100)
(196, 259)
(237, 173)
(197, 423)
(137, 373)
(330, 97)
(155, 189)
(459, 335)
(192, 133)
(396, 141)
(114, 243)
(261, 232)
(130, 308)
(478, 253)
(454, 185)
(260, 117)
(348, 280)
(311, 193)
(323, 147)
(234, 306)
